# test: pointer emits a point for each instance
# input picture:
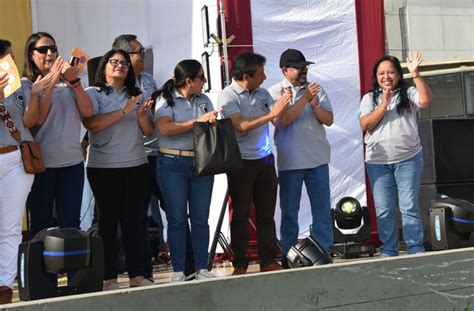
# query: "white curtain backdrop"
(325, 31)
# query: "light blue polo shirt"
(148, 85)
(302, 144)
(183, 110)
(121, 144)
(254, 144)
(395, 138)
(16, 105)
(60, 134)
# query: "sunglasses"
(140, 52)
(116, 62)
(44, 49)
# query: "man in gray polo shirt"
(303, 152)
(250, 109)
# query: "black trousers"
(121, 196)
(256, 182)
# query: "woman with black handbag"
(180, 104)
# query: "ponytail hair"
(188, 68)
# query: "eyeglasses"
(300, 68)
(202, 77)
(140, 52)
(44, 49)
(116, 62)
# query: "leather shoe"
(6, 294)
(239, 271)
(271, 267)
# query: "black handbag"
(216, 149)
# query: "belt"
(183, 153)
(8, 149)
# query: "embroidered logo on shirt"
(264, 105)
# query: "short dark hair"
(123, 42)
(30, 70)
(4, 45)
(246, 63)
(130, 81)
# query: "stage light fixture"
(351, 225)
(308, 252)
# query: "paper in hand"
(8, 67)
(79, 59)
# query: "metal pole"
(225, 56)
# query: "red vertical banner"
(238, 23)
(371, 41)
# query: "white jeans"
(15, 185)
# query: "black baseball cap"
(293, 58)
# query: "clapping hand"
(141, 112)
(131, 104)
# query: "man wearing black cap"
(303, 151)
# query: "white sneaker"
(204, 274)
(178, 277)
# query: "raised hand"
(42, 83)
(56, 69)
(413, 63)
(131, 103)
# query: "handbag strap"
(9, 123)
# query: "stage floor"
(163, 273)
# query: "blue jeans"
(402, 178)
(182, 189)
(62, 187)
(317, 184)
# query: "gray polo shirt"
(183, 110)
(16, 105)
(254, 144)
(60, 134)
(303, 143)
(121, 144)
(148, 85)
(395, 138)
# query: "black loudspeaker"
(56, 251)
(448, 150)
(92, 66)
(308, 252)
(428, 193)
(451, 223)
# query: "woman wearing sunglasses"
(179, 105)
(58, 109)
(117, 162)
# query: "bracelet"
(72, 82)
(417, 76)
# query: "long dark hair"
(130, 80)
(30, 70)
(404, 105)
(188, 68)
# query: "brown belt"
(8, 149)
(183, 153)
